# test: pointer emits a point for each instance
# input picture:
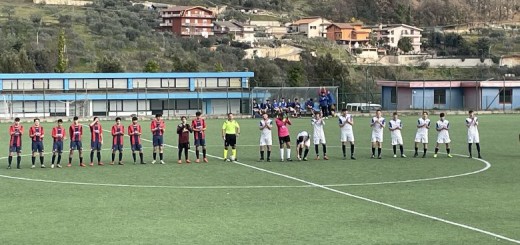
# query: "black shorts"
(231, 140)
(184, 146)
(284, 139)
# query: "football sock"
(324, 146)
(373, 151)
(204, 152)
(80, 160)
(268, 154)
(352, 149)
(288, 153)
(186, 153)
(401, 148)
(33, 159)
(300, 151)
(154, 156)
(59, 158)
(416, 150)
(179, 153)
(448, 150)
(120, 156)
(436, 150)
(379, 151)
(70, 159)
(425, 150)
(344, 149)
(305, 153)
(197, 153)
(98, 157)
(161, 156)
(134, 156)
(53, 159)
(141, 156)
(469, 148)
(478, 147)
(281, 153)
(10, 160)
(394, 147)
(18, 161)
(225, 153)
(234, 152)
(317, 150)
(113, 156)
(41, 160)
(261, 154)
(92, 156)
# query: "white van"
(362, 107)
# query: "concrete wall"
(63, 2)
(413, 98)
(490, 99)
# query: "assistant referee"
(230, 132)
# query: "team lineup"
(230, 134)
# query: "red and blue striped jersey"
(36, 133)
(16, 132)
(58, 133)
(118, 133)
(96, 132)
(76, 131)
(134, 131)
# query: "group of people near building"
(346, 122)
(326, 104)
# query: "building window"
(196, 21)
(223, 82)
(412, 32)
(393, 95)
(392, 32)
(392, 40)
(439, 96)
(165, 83)
(506, 96)
(313, 27)
(187, 21)
(204, 21)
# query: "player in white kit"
(423, 125)
(303, 141)
(395, 126)
(473, 136)
(319, 136)
(378, 124)
(443, 134)
(266, 136)
(346, 133)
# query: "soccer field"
(365, 201)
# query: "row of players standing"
(346, 123)
(326, 104)
(59, 134)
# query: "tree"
(109, 64)
(296, 75)
(219, 67)
(405, 44)
(61, 66)
(152, 66)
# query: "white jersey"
(443, 135)
(422, 131)
(397, 138)
(472, 124)
(303, 137)
(319, 134)
(377, 128)
(266, 137)
(346, 132)
(347, 127)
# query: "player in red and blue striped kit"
(118, 133)
(199, 134)
(157, 127)
(58, 135)
(76, 132)
(36, 133)
(15, 143)
(135, 131)
(96, 141)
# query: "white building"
(394, 32)
(311, 26)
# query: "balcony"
(197, 33)
(411, 35)
(199, 16)
(166, 24)
(197, 24)
(170, 15)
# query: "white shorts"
(377, 137)
(443, 139)
(307, 143)
(266, 140)
(421, 138)
(347, 137)
(473, 138)
(319, 140)
(397, 140)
